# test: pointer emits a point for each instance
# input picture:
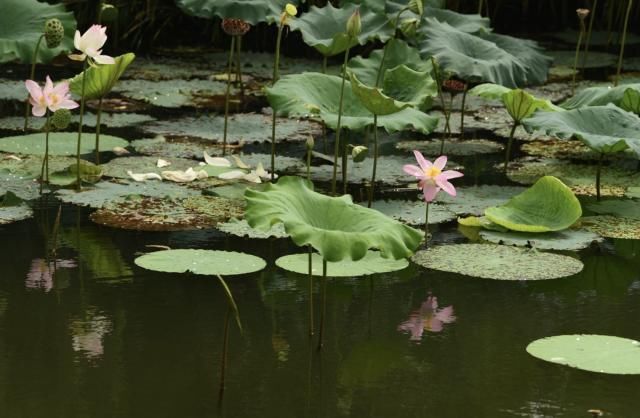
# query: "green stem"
(480, 4)
(223, 357)
(375, 160)
(426, 225)
(276, 76)
(226, 99)
(54, 234)
(98, 117)
(384, 50)
(82, 100)
(624, 39)
(44, 171)
(575, 60)
(598, 171)
(589, 31)
(345, 162)
(447, 127)
(338, 127)
(324, 64)
(464, 99)
(324, 304)
(32, 74)
(311, 330)
(507, 154)
(239, 65)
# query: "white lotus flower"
(90, 44)
(144, 176)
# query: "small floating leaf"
(60, 143)
(205, 262)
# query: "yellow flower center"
(291, 9)
(432, 172)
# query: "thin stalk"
(338, 127)
(225, 345)
(480, 4)
(345, 163)
(624, 39)
(575, 60)
(311, 330)
(324, 304)
(589, 31)
(464, 99)
(32, 74)
(276, 75)
(226, 99)
(447, 126)
(426, 224)
(384, 50)
(375, 160)
(598, 171)
(98, 117)
(44, 171)
(324, 64)
(610, 5)
(82, 100)
(507, 154)
(239, 65)
(54, 234)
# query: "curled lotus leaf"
(241, 228)
(336, 227)
(251, 11)
(631, 100)
(100, 78)
(204, 262)
(371, 263)
(374, 99)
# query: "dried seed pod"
(235, 27)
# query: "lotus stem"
(589, 31)
(44, 171)
(98, 117)
(598, 171)
(464, 99)
(624, 39)
(609, 22)
(375, 160)
(324, 304)
(384, 50)
(447, 126)
(345, 163)
(32, 74)
(226, 98)
(82, 100)
(324, 64)
(507, 154)
(339, 126)
(239, 66)
(426, 224)
(223, 357)
(56, 227)
(480, 4)
(311, 330)
(276, 76)
(575, 60)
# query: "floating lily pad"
(110, 120)
(246, 127)
(633, 192)
(180, 147)
(413, 212)
(241, 228)
(11, 214)
(60, 143)
(372, 263)
(13, 90)
(612, 226)
(232, 191)
(565, 149)
(594, 353)
(165, 68)
(499, 262)
(25, 187)
(594, 60)
(452, 147)
(205, 262)
(570, 239)
(30, 166)
(162, 214)
(118, 167)
(622, 208)
(175, 93)
(474, 200)
(522, 135)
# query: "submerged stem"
(32, 74)
(98, 117)
(624, 39)
(223, 357)
(375, 160)
(226, 98)
(82, 100)
(337, 143)
(598, 171)
(507, 154)
(324, 304)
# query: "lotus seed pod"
(359, 153)
(453, 86)
(354, 24)
(416, 6)
(582, 13)
(310, 143)
(235, 27)
(61, 118)
(53, 32)
(108, 13)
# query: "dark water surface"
(108, 339)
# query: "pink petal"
(433, 325)
(38, 110)
(104, 59)
(440, 162)
(446, 315)
(430, 192)
(61, 89)
(413, 170)
(34, 89)
(48, 88)
(450, 174)
(424, 164)
(446, 186)
(68, 104)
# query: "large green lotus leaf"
(463, 148)
(519, 103)
(205, 262)
(371, 263)
(317, 95)
(499, 262)
(622, 208)
(631, 100)
(374, 99)
(176, 93)
(471, 58)
(528, 52)
(416, 88)
(489, 91)
(412, 212)
(474, 200)
(60, 143)
(570, 239)
(398, 52)
(546, 206)
(241, 228)
(324, 28)
(22, 23)
(101, 78)
(599, 96)
(613, 226)
(468, 23)
(594, 353)
(30, 166)
(605, 129)
(251, 11)
(335, 226)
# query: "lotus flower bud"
(61, 118)
(359, 153)
(409, 27)
(416, 6)
(354, 24)
(310, 143)
(235, 27)
(108, 13)
(53, 32)
(289, 11)
(582, 13)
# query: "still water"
(96, 336)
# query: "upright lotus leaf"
(469, 23)
(548, 205)
(101, 78)
(22, 23)
(336, 227)
(606, 129)
(470, 57)
(251, 11)
(599, 96)
(374, 99)
(404, 84)
(316, 95)
(518, 103)
(324, 28)
(631, 100)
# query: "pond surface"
(104, 338)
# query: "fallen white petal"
(216, 161)
(162, 163)
(232, 175)
(180, 176)
(120, 151)
(144, 176)
(240, 163)
(12, 157)
(252, 177)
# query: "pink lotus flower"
(430, 176)
(51, 97)
(427, 318)
(90, 44)
(42, 272)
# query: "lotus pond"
(401, 211)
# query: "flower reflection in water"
(88, 333)
(428, 318)
(42, 271)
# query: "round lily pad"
(413, 212)
(475, 199)
(499, 262)
(204, 262)
(565, 149)
(372, 263)
(570, 239)
(622, 208)
(60, 143)
(241, 228)
(594, 353)
(10, 214)
(452, 147)
(612, 226)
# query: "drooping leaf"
(371, 263)
(631, 100)
(546, 206)
(600, 96)
(101, 78)
(60, 143)
(374, 99)
(594, 353)
(251, 11)
(336, 227)
(499, 262)
(407, 85)
(204, 262)
(469, 23)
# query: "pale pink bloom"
(90, 44)
(427, 318)
(51, 97)
(42, 272)
(430, 176)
